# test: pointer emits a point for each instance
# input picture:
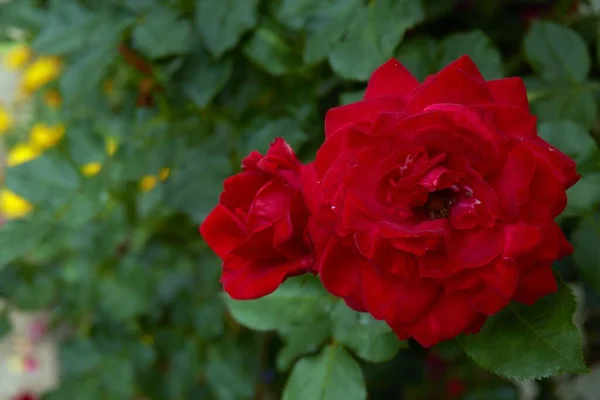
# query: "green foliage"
(332, 374)
(194, 86)
(530, 342)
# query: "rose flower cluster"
(429, 205)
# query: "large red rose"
(432, 205)
(258, 228)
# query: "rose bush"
(432, 205)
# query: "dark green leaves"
(162, 33)
(478, 46)
(368, 338)
(530, 342)
(18, 237)
(333, 374)
(556, 52)
(221, 23)
(587, 251)
(296, 301)
(372, 35)
(568, 137)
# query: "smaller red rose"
(258, 228)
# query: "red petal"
(222, 231)
(365, 111)
(450, 316)
(391, 79)
(459, 83)
(536, 284)
(509, 91)
(393, 299)
(477, 247)
(513, 181)
(512, 121)
(339, 269)
(520, 239)
(246, 280)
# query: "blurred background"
(119, 120)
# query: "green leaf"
(368, 338)
(18, 237)
(351, 97)
(327, 24)
(569, 138)
(5, 324)
(203, 78)
(584, 196)
(301, 340)
(259, 138)
(296, 301)
(476, 45)
(162, 34)
(556, 52)
(572, 104)
(419, 56)
(65, 30)
(530, 342)
(48, 180)
(230, 371)
(268, 50)
(587, 251)
(204, 163)
(373, 33)
(222, 23)
(333, 374)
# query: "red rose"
(258, 229)
(433, 204)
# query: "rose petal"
(520, 239)
(364, 112)
(222, 231)
(450, 316)
(535, 284)
(509, 91)
(458, 83)
(391, 79)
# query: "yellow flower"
(40, 72)
(91, 169)
(21, 153)
(52, 98)
(111, 146)
(164, 174)
(6, 121)
(147, 183)
(43, 136)
(17, 57)
(13, 206)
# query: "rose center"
(439, 204)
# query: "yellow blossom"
(17, 57)
(91, 169)
(43, 136)
(52, 98)
(111, 146)
(21, 153)
(13, 206)
(147, 183)
(6, 121)
(164, 174)
(40, 72)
